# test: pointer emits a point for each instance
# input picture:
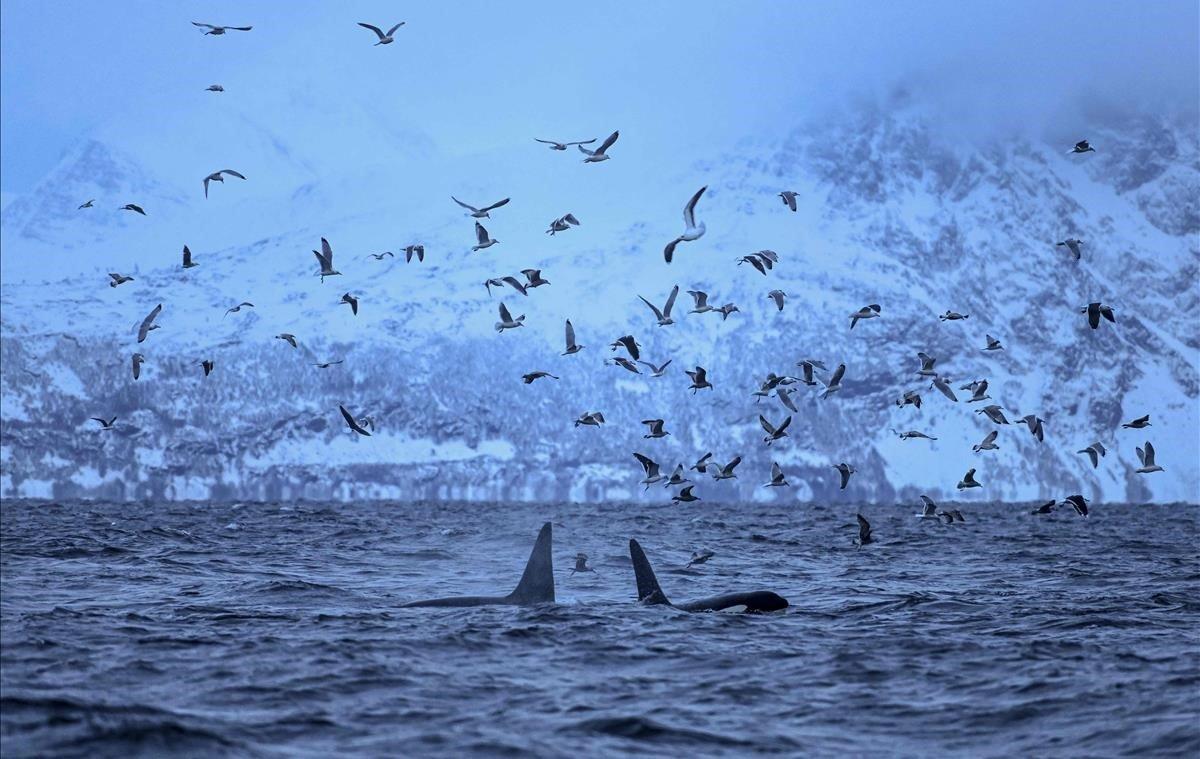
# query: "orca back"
(648, 590)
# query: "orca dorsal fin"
(537, 584)
(648, 590)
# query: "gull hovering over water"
(572, 346)
(238, 307)
(910, 398)
(726, 472)
(384, 38)
(147, 325)
(1082, 147)
(529, 378)
(700, 557)
(1094, 452)
(927, 362)
(217, 176)
(699, 379)
(656, 371)
(929, 511)
(217, 31)
(581, 564)
(777, 478)
(1140, 423)
(726, 310)
(562, 224)
(685, 495)
(978, 392)
(599, 154)
(483, 239)
(703, 463)
(844, 470)
(789, 199)
(628, 343)
(968, 481)
(624, 363)
(677, 477)
(1146, 458)
(650, 466)
(353, 423)
(807, 365)
(325, 259)
(1094, 311)
(118, 279)
(506, 320)
(866, 312)
(1072, 245)
(692, 231)
(481, 213)
(1045, 508)
(1079, 503)
(664, 316)
(563, 145)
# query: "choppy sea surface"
(276, 630)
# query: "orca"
(651, 594)
(536, 585)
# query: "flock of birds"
(780, 387)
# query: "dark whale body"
(650, 593)
(536, 585)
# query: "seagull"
(1094, 452)
(656, 371)
(866, 312)
(777, 478)
(685, 495)
(534, 277)
(1140, 423)
(979, 392)
(699, 379)
(785, 398)
(187, 258)
(927, 363)
(352, 422)
(726, 310)
(325, 258)
(754, 261)
(484, 240)
(700, 557)
(628, 343)
(845, 470)
(214, 88)
(807, 365)
(701, 302)
(86, 205)
(1045, 508)
(238, 307)
(581, 564)
(217, 31)
(677, 477)
(216, 176)
(650, 466)
(137, 365)
(664, 316)
(774, 433)
(384, 38)
(506, 320)
(562, 224)
(1079, 503)
(1146, 457)
(789, 199)
(132, 207)
(572, 347)
(1082, 147)
(105, 424)
(913, 434)
(944, 388)
(835, 382)
(953, 316)
(414, 250)
(624, 363)
(993, 344)
(993, 412)
(1035, 426)
(968, 480)
(597, 155)
(1072, 245)
(910, 398)
(655, 427)
(691, 231)
(351, 301)
(208, 365)
(118, 279)
(148, 324)
(327, 364)
(1095, 310)
(381, 256)
(726, 472)
(930, 509)
(563, 145)
(481, 213)
(287, 337)
(864, 532)
(778, 296)
(703, 463)
(529, 378)
(590, 419)
(988, 444)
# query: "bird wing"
(864, 528)
(579, 142)
(570, 334)
(927, 361)
(786, 399)
(1149, 453)
(669, 251)
(671, 300)
(472, 209)
(496, 204)
(378, 32)
(777, 296)
(784, 425)
(481, 234)
(240, 28)
(352, 422)
(187, 256)
(207, 26)
(144, 327)
(1107, 313)
(392, 31)
(837, 376)
(767, 428)
(689, 211)
(505, 316)
(516, 283)
(231, 173)
(552, 142)
(991, 437)
(326, 253)
(700, 297)
(791, 201)
(654, 308)
(645, 461)
(732, 464)
(607, 143)
(776, 472)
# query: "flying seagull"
(807, 365)
(993, 344)
(700, 557)
(351, 301)
(207, 364)
(654, 428)
(132, 207)
(1137, 424)
(599, 154)
(789, 199)
(864, 532)
(703, 463)
(1095, 310)
(993, 412)
(325, 258)
(590, 419)
(506, 320)
(650, 466)
(381, 256)
(1082, 147)
(726, 310)
(1079, 503)
(214, 88)
(351, 422)
(664, 316)
(137, 365)
(384, 39)
(217, 31)
(1094, 452)
(953, 316)
(835, 381)
(414, 250)
(700, 299)
(1035, 426)
(685, 495)
(534, 278)
(929, 510)
(287, 337)
(699, 379)
(187, 258)
(777, 478)
(483, 239)
(866, 312)
(563, 145)
(978, 392)
(481, 213)
(726, 472)
(572, 346)
(656, 371)
(784, 396)
(148, 323)
(691, 231)
(327, 364)
(624, 363)
(845, 470)
(988, 443)
(944, 388)
(1045, 508)
(778, 296)
(238, 307)
(911, 434)
(677, 477)
(105, 424)
(1146, 457)
(118, 279)
(86, 205)
(1072, 245)
(562, 224)
(217, 176)
(628, 343)
(774, 433)
(968, 481)
(581, 564)
(910, 398)
(528, 379)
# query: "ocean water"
(276, 630)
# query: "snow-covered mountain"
(891, 211)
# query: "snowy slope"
(892, 212)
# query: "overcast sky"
(690, 74)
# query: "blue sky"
(692, 76)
